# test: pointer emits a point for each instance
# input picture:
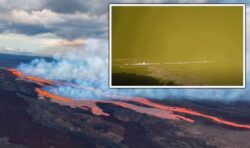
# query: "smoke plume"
(88, 70)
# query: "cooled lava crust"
(29, 121)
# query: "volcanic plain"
(29, 121)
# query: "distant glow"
(171, 63)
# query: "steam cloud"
(89, 68)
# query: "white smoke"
(88, 68)
(87, 64)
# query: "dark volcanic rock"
(123, 79)
(27, 121)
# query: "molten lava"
(152, 109)
(190, 112)
(30, 78)
(63, 100)
(92, 106)
(52, 96)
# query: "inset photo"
(177, 45)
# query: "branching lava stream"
(147, 107)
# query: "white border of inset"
(181, 5)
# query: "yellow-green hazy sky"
(178, 33)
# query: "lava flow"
(30, 78)
(149, 107)
(190, 112)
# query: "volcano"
(33, 117)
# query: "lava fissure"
(153, 109)
(30, 78)
(190, 112)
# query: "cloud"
(64, 43)
(44, 44)
(67, 19)
(72, 6)
(43, 17)
(69, 26)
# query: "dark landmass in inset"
(133, 79)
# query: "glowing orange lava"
(31, 78)
(86, 105)
(92, 106)
(52, 96)
(153, 109)
(190, 112)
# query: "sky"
(50, 26)
(178, 33)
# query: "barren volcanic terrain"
(29, 121)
